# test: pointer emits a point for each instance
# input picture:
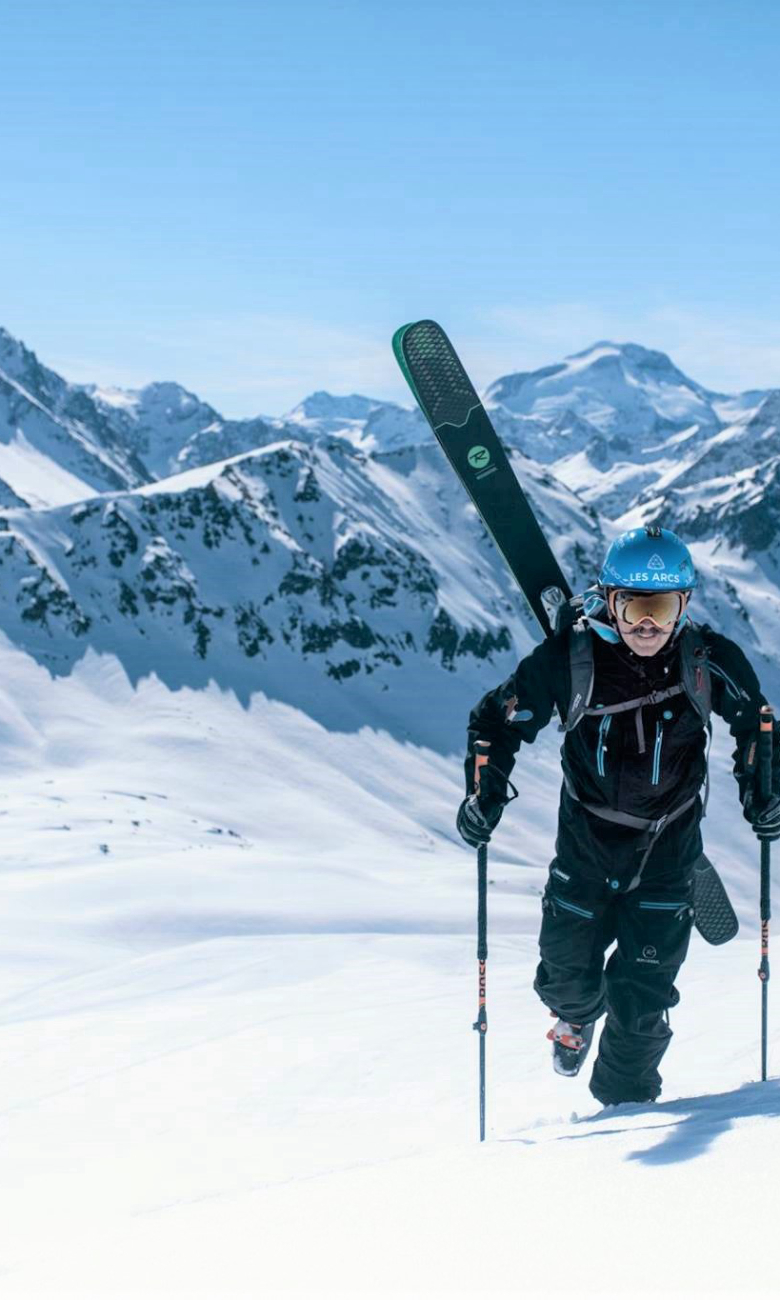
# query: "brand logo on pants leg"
(649, 955)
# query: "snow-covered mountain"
(332, 559)
(369, 424)
(613, 423)
(170, 429)
(55, 443)
(626, 391)
(295, 569)
(725, 494)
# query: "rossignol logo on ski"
(478, 457)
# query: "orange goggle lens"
(661, 607)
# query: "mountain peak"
(620, 388)
(166, 388)
(327, 406)
(172, 399)
(634, 353)
(15, 355)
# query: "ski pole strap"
(483, 764)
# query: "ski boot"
(570, 1045)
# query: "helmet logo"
(633, 561)
(674, 579)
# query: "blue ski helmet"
(648, 559)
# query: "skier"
(634, 681)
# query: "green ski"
(461, 424)
(451, 406)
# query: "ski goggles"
(661, 607)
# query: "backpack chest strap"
(652, 827)
(636, 706)
(625, 706)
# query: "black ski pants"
(582, 916)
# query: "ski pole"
(480, 1024)
(765, 736)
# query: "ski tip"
(398, 337)
(400, 347)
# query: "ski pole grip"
(481, 759)
(482, 950)
(765, 738)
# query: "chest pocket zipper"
(659, 740)
(601, 748)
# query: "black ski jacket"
(601, 757)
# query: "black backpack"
(695, 681)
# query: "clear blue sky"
(249, 197)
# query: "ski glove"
(480, 812)
(765, 819)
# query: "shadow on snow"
(694, 1123)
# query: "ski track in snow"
(236, 1056)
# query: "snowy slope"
(236, 1054)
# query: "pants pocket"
(565, 905)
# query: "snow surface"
(236, 1059)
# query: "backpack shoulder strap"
(582, 671)
(695, 671)
(697, 682)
